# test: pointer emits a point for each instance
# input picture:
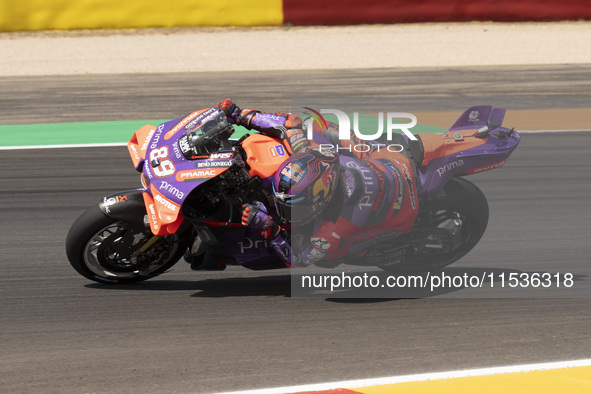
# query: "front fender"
(127, 205)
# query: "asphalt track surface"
(237, 329)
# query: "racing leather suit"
(376, 196)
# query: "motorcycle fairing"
(265, 154)
(164, 215)
(478, 116)
(189, 122)
(250, 249)
(156, 153)
(437, 146)
(243, 245)
(476, 142)
(138, 145)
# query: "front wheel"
(446, 228)
(107, 250)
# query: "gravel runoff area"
(291, 48)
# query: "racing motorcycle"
(195, 179)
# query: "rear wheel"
(446, 229)
(107, 250)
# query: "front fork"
(128, 206)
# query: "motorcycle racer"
(349, 200)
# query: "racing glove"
(231, 110)
(235, 114)
(256, 216)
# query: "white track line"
(350, 384)
(101, 145)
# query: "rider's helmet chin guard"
(304, 186)
(206, 138)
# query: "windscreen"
(206, 138)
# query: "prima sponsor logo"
(368, 182)
(250, 244)
(177, 152)
(154, 136)
(171, 190)
(344, 124)
(448, 167)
